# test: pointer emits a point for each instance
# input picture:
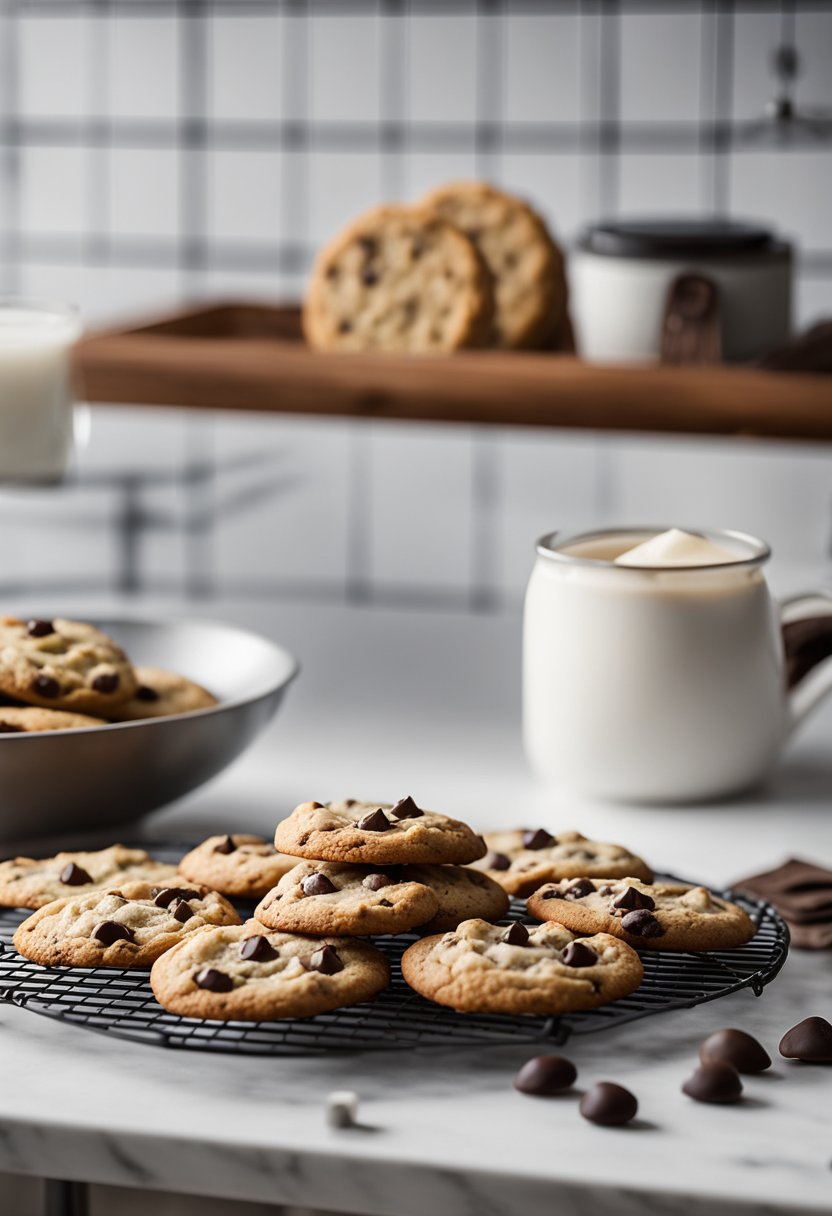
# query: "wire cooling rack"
(121, 1004)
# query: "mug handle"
(806, 625)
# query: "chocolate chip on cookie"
(631, 899)
(317, 884)
(537, 839)
(257, 948)
(578, 954)
(516, 934)
(325, 960)
(212, 980)
(74, 876)
(110, 931)
(406, 808)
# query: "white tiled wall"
(377, 510)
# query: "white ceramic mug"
(664, 684)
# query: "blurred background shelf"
(252, 357)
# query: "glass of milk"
(36, 390)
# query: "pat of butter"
(676, 548)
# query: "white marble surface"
(396, 702)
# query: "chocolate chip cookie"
(250, 974)
(345, 900)
(482, 968)
(61, 664)
(399, 279)
(31, 719)
(655, 916)
(526, 264)
(128, 927)
(242, 867)
(28, 882)
(462, 892)
(377, 834)
(523, 859)
(161, 693)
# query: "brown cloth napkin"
(802, 894)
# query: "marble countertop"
(394, 702)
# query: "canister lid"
(679, 238)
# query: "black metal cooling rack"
(121, 1004)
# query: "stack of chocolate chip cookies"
(469, 266)
(68, 675)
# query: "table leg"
(66, 1198)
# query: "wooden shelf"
(250, 357)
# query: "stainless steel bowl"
(60, 781)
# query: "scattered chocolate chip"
(181, 911)
(538, 839)
(10, 728)
(715, 1081)
(641, 923)
(632, 898)
(344, 327)
(553, 893)
(737, 1048)
(317, 884)
(578, 888)
(257, 949)
(417, 249)
(226, 845)
(545, 1075)
(46, 686)
(74, 876)
(496, 861)
(577, 954)
(145, 693)
(406, 808)
(212, 980)
(325, 960)
(162, 896)
(516, 934)
(40, 628)
(809, 1040)
(110, 931)
(375, 821)
(107, 682)
(375, 882)
(608, 1104)
(369, 244)
(369, 277)
(384, 903)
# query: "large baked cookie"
(161, 693)
(129, 927)
(462, 892)
(250, 974)
(522, 860)
(31, 719)
(526, 264)
(656, 916)
(377, 834)
(63, 664)
(330, 897)
(28, 882)
(399, 279)
(240, 866)
(482, 968)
